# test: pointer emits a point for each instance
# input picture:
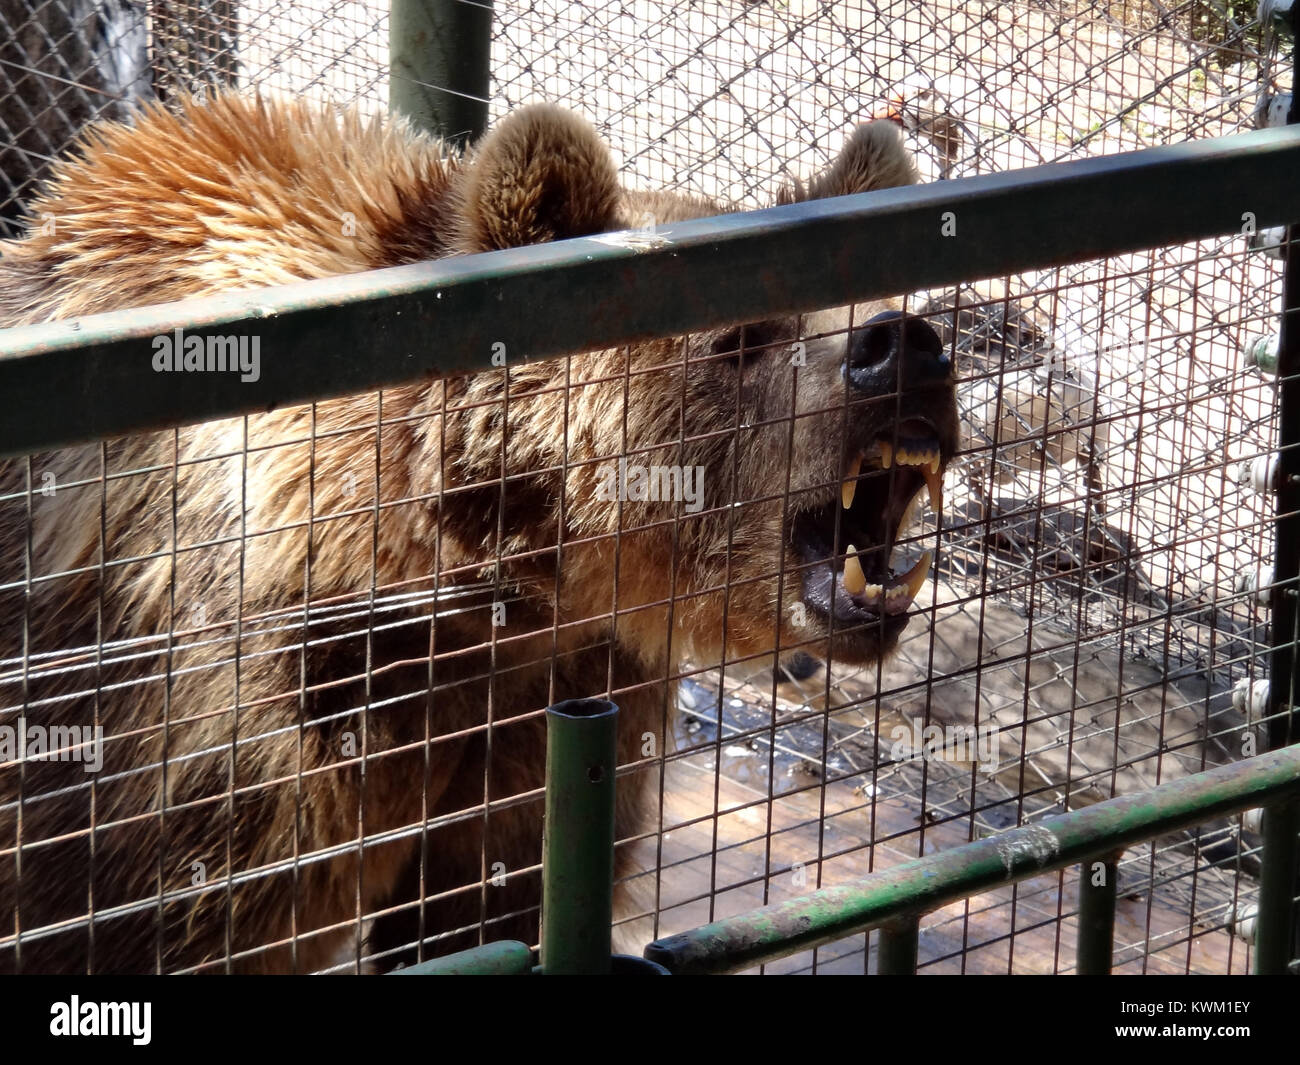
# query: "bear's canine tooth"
(886, 454)
(914, 579)
(850, 484)
(935, 484)
(855, 581)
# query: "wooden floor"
(783, 802)
(714, 867)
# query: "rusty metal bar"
(73, 381)
(925, 884)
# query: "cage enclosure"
(235, 605)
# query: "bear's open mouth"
(844, 547)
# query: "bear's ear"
(542, 174)
(872, 158)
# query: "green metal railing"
(73, 381)
(579, 846)
(895, 899)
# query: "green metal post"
(897, 948)
(1095, 950)
(1284, 606)
(578, 837)
(439, 63)
(1279, 868)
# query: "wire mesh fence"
(1096, 618)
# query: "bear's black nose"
(892, 352)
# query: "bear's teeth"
(903, 589)
(924, 457)
(855, 581)
(849, 486)
(935, 484)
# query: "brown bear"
(319, 641)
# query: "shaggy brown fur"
(241, 772)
